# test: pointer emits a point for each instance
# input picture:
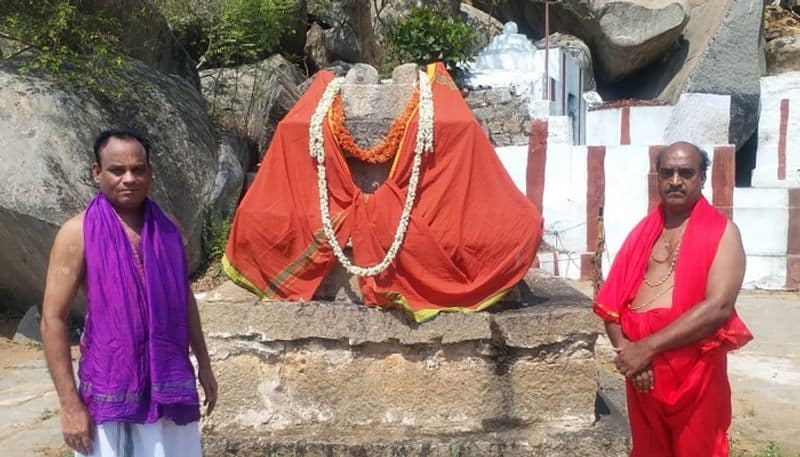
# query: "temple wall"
(769, 222)
(698, 118)
(616, 171)
(502, 113)
(580, 179)
(778, 157)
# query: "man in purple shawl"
(136, 394)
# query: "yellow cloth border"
(289, 273)
(239, 279)
(425, 315)
(605, 310)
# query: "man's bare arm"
(65, 274)
(615, 335)
(198, 344)
(196, 339)
(702, 320)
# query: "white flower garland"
(316, 147)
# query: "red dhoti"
(688, 412)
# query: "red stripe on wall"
(625, 126)
(537, 155)
(782, 139)
(793, 241)
(723, 179)
(595, 199)
(653, 198)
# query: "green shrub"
(229, 32)
(58, 39)
(214, 237)
(425, 36)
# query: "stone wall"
(332, 378)
(502, 114)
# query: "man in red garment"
(668, 306)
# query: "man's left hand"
(633, 357)
(209, 383)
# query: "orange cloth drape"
(472, 234)
(688, 412)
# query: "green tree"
(57, 38)
(229, 32)
(426, 36)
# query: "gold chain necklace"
(669, 271)
(667, 247)
(649, 302)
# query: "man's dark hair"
(121, 134)
(703, 155)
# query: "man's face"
(679, 178)
(123, 173)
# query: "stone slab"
(602, 439)
(528, 362)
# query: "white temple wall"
(778, 156)
(762, 215)
(627, 193)
(697, 118)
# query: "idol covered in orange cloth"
(668, 305)
(470, 235)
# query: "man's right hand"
(77, 427)
(644, 381)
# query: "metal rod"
(546, 50)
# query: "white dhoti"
(160, 439)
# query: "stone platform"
(336, 378)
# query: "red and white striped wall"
(571, 183)
(778, 157)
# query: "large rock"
(253, 98)
(47, 152)
(28, 328)
(315, 50)
(343, 379)
(732, 65)
(624, 36)
(236, 155)
(145, 35)
(350, 32)
(783, 54)
(484, 25)
(782, 34)
(634, 36)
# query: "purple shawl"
(135, 363)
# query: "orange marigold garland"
(383, 151)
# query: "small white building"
(512, 61)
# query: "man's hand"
(77, 427)
(633, 357)
(209, 384)
(644, 380)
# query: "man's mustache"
(676, 189)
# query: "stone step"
(602, 439)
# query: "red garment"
(471, 237)
(688, 412)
